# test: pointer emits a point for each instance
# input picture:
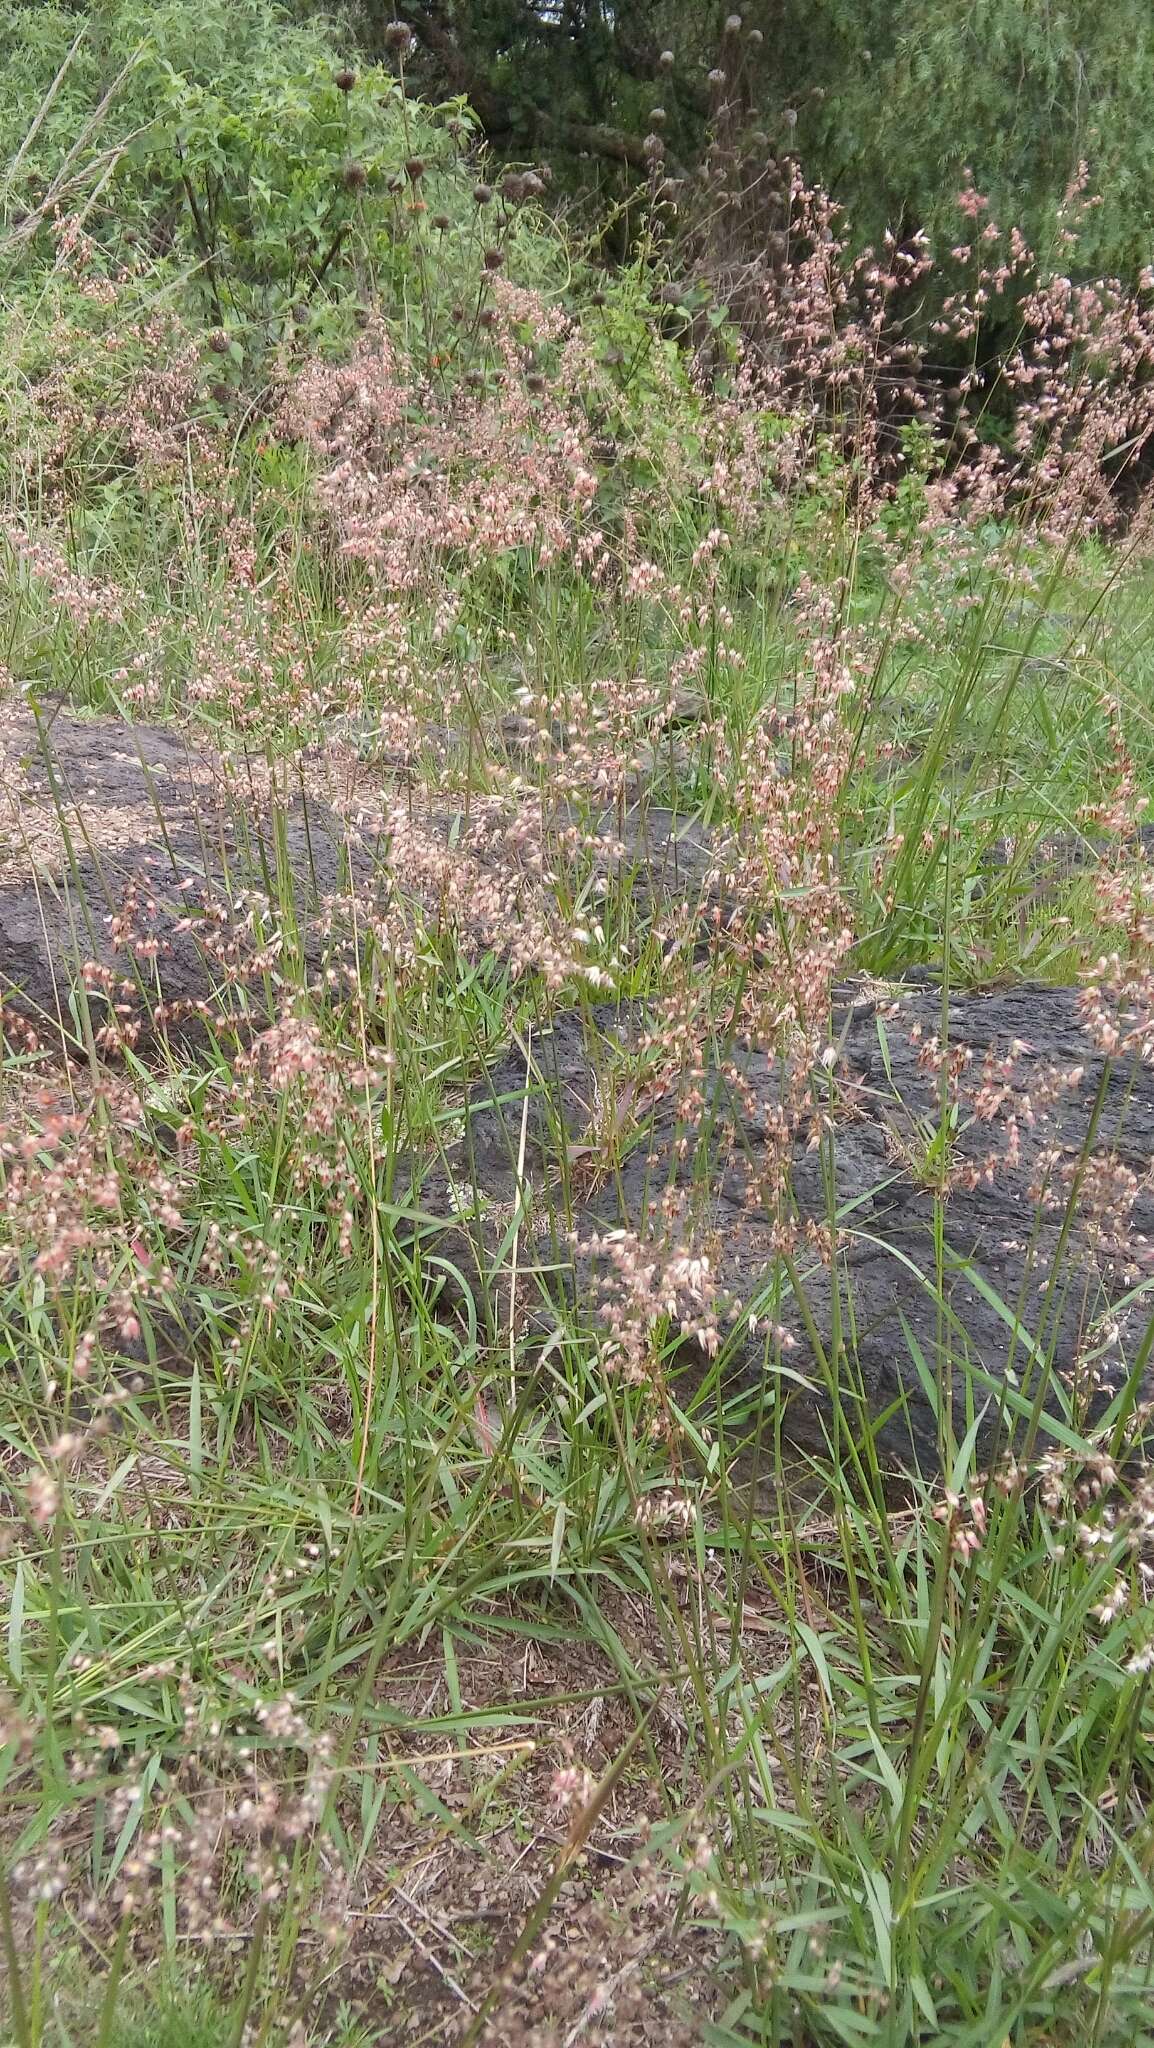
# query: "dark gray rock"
(1046, 863)
(1029, 1295)
(96, 814)
(91, 810)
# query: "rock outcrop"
(146, 875)
(989, 1275)
(934, 1242)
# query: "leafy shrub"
(226, 152)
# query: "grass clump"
(460, 1584)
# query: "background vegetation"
(886, 106)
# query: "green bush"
(197, 197)
(225, 147)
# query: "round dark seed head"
(414, 169)
(354, 177)
(487, 317)
(482, 194)
(218, 341)
(513, 188)
(493, 259)
(344, 80)
(441, 221)
(398, 38)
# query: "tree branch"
(595, 140)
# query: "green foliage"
(288, 182)
(171, 2018)
(885, 106)
(65, 63)
(174, 170)
(1020, 95)
(216, 138)
(223, 150)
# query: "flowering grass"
(394, 1672)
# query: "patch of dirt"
(443, 1909)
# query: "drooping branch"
(611, 143)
